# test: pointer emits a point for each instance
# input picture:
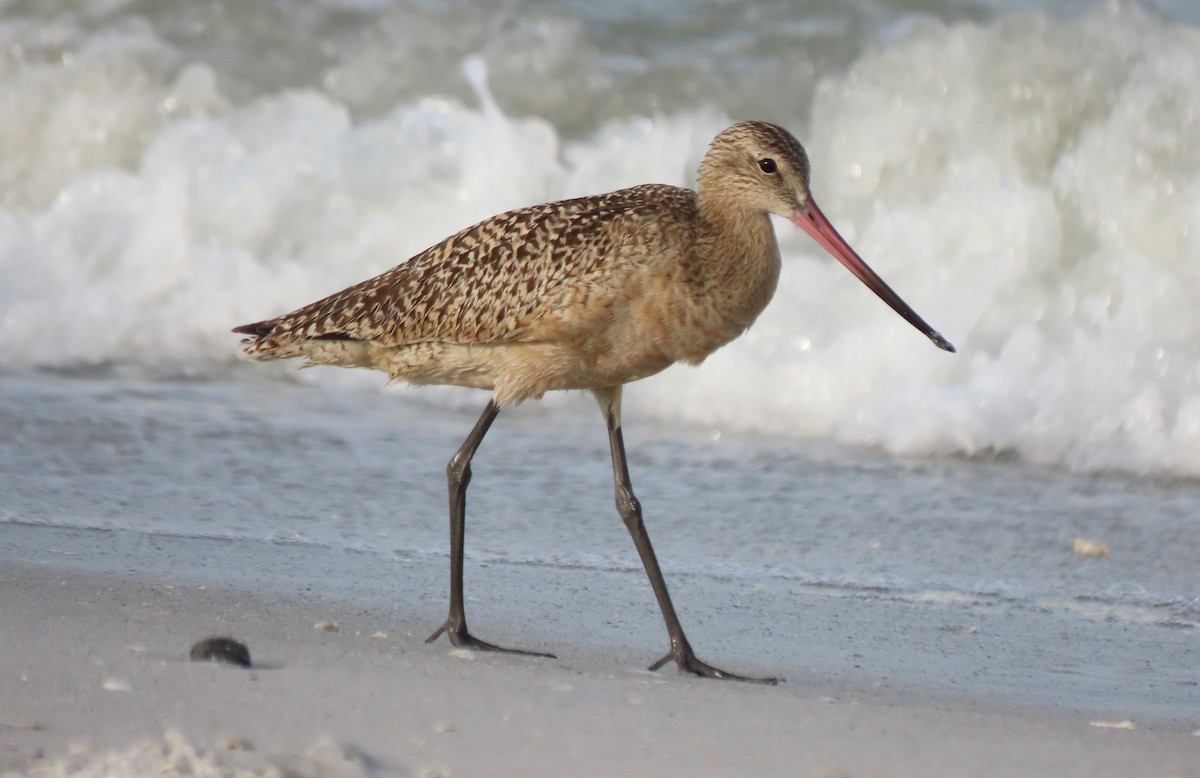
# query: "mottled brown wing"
(485, 284)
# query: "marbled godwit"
(590, 293)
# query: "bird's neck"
(737, 260)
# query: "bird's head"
(760, 167)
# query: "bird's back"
(492, 282)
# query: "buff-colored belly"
(515, 371)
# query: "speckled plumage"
(590, 293)
(583, 293)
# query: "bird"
(589, 293)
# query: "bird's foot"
(458, 635)
(681, 654)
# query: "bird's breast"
(660, 318)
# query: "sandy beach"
(97, 681)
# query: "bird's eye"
(767, 165)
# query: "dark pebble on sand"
(221, 650)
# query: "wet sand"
(96, 674)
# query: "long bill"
(809, 218)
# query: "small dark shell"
(221, 650)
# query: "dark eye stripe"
(767, 165)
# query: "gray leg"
(458, 474)
(631, 513)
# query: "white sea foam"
(1030, 186)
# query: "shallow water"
(261, 460)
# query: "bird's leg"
(631, 513)
(458, 474)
